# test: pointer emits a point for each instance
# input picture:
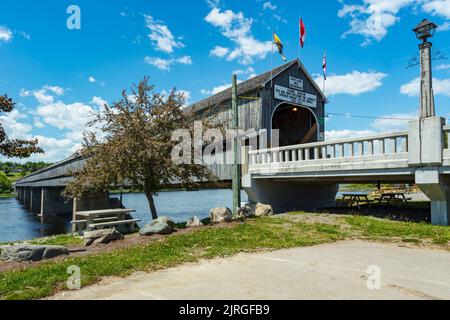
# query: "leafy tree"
(136, 146)
(15, 147)
(5, 184)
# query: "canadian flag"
(302, 33)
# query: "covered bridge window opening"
(296, 125)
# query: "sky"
(58, 75)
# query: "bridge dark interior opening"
(296, 125)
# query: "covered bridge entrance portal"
(295, 125)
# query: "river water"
(18, 224)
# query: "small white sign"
(296, 83)
(295, 96)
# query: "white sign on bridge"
(296, 83)
(295, 96)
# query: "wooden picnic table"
(92, 215)
(396, 197)
(355, 198)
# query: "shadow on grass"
(413, 212)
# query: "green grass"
(293, 230)
(61, 240)
(7, 195)
(379, 229)
(262, 234)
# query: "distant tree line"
(9, 168)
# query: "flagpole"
(299, 35)
(271, 64)
(324, 74)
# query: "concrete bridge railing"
(383, 144)
(308, 175)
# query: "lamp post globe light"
(425, 30)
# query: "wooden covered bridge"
(302, 170)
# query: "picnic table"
(396, 197)
(104, 218)
(352, 198)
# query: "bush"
(5, 184)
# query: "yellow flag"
(279, 44)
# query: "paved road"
(332, 271)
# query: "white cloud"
(217, 89)
(91, 79)
(55, 149)
(444, 27)
(393, 122)
(38, 123)
(66, 116)
(13, 127)
(270, 6)
(443, 66)
(45, 95)
(346, 134)
(353, 83)
(373, 18)
(6, 34)
(249, 70)
(412, 88)
(438, 8)
(165, 64)
(386, 123)
(187, 97)
(219, 51)
(237, 28)
(161, 37)
(99, 102)
(279, 18)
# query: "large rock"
(163, 225)
(245, 212)
(263, 210)
(218, 215)
(101, 236)
(28, 252)
(194, 222)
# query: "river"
(18, 224)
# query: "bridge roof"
(252, 84)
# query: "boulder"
(218, 215)
(194, 222)
(28, 252)
(163, 225)
(101, 236)
(263, 210)
(245, 212)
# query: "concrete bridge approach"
(307, 176)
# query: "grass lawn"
(292, 230)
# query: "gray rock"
(218, 215)
(245, 212)
(28, 252)
(163, 225)
(194, 222)
(263, 210)
(101, 236)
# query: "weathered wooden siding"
(249, 113)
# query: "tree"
(5, 184)
(15, 147)
(136, 145)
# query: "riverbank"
(33, 281)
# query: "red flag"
(302, 33)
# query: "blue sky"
(58, 76)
